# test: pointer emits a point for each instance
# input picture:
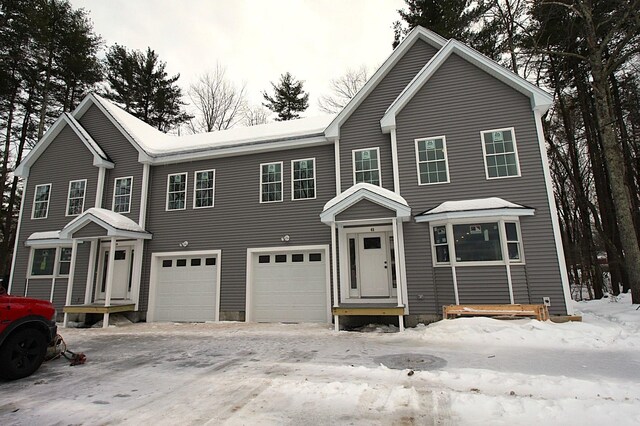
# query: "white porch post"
(137, 271)
(505, 251)
(100, 186)
(109, 287)
(88, 292)
(399, 280)
(334, 273)
(72, 272)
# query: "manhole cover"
(417, 362)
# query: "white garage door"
(289, 286)
(185, 288)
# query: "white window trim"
(315, 187)
(501, 220)
(186, 183)
(446, 160)
(515, 151)
(113, 201)
(84, 196)
(281, 182)
(59, 262)
(353, 163)
(56, 265)
(195, 190)
(33, 207)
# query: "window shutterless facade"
(41, 197)
(204, 189)
(75, 199)
(177, 191)
(431, 158)
(366, 166)
(303, 179)
(479, 242)
(64, 263)
(271, 182)
(500, 153)
(122, 194)
(49, 262)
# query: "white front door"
(121, 272)
(374, 265)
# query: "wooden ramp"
(540, 312)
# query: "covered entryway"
(185, 286)
(288, 284)
(122, 271)
(371, 262)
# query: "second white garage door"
(185, 288)
(289, 286)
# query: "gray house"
(431, 187)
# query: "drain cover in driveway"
(411, 361)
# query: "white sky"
(315, 40)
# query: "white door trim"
(155, 260)
(248, 314)
(105, 246)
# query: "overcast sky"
(256, 40)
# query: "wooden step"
(98, 309)
(373, 311)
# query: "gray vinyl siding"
(60, 292)
(53, 167)
(444, 288)
(362, 129)
(38, 289)
(80, 274)
(420, 278)
(91, 229)
(485, 285)
(459, 101)
(121, 153)
(238, 221)
(365, 209)
(520, 286)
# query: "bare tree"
(220, 104)
(256, 115)
(343, 89)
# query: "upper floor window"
(41, 201)
(303, 179)
(500, 153)
(270, 182)
(75, 200)
(366, 166)
(431, 155)
(177, 191)
(204, 189)
(122, 194)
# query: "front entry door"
(373, 259)
(121, 272)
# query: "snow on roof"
(476, 204)
(47, 235)
(365, 187)
(84, 134)
(113, 219)
(154, 142)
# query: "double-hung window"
(500, 153)
(431, 155)
(75, 199)
(271, 182)
(41, 197)
(303, 179)
(177, 191)
(64, 264)
(122, 194)
(366, 166)
(203, 191)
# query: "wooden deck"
(97, 308)
(367, 310)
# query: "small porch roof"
(46, 238)
(479, 207)
(115, 224)
(365, 191)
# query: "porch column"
(88, 292)
(109, 287)
(137, 271)
(72, 272)
(334, 272)
(399, 280)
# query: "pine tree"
(138, 81)
(289, 98)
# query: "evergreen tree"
(289, 98)
(138, 81)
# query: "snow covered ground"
(486, 372)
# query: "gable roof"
(418, 33)
(540, 99)
(114, 223)
(365, 191)
(66, 119)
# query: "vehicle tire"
(22, 353)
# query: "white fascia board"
(76, 225)
(472, 214)
(229, 151)
(418, 33)
(403, 212)
(540, 99)
(52, 242)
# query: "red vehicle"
(27, 326)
